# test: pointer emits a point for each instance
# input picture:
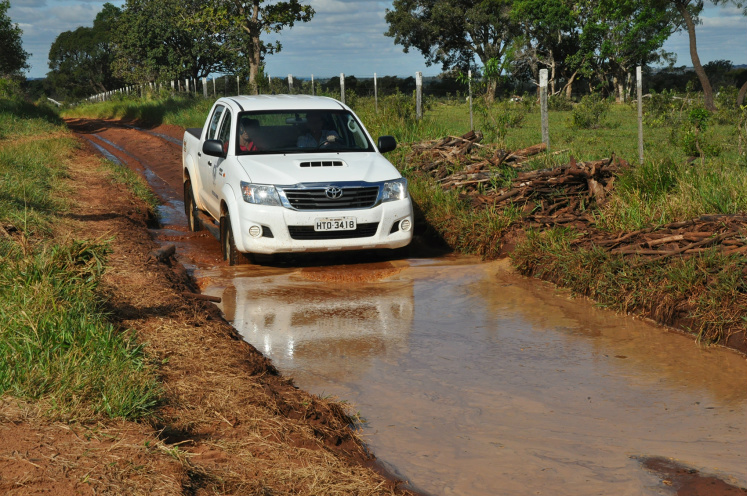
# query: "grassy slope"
(705, 294)
(57, 347)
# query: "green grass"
(57, 346)
(706, 292)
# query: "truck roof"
(285, 102)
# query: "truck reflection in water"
(288, 316)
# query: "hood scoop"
(322, 163)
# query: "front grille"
(308, 232)
(316, 198)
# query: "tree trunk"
(490, 93)
(704, 82)
(569, 86)
(256, 51)
(740, 96)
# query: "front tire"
(190, 208)
(227, 243)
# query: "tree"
(689, 11)
(550, 33)
(161, 40)
(453, 33)
(80, 60)
(631, 33)
(244, 21)
(12, 55)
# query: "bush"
(589, 112)
(559, 103)
(499, 118)
(9, 88)
(694, 137)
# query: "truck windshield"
(299, 132)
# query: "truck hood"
(292, 169)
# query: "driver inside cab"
(316, 135)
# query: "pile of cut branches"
(560, 195)
(728, 233)
(463, 161)
(565, 195)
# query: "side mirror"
(214, 148)
(386, 144)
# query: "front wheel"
(227, 243)
(190, 208)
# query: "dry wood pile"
(560, 195)
(549, 196)
(442, 157)
(564, 195)
(728, 233)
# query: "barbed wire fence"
(365, 86)
(370, 85)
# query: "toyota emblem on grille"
(333, 192)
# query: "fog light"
(405, 225)
(255, 231)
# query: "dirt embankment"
(229, 423)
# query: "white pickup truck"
(292, 173)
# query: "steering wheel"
(331, 141)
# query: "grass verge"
(57, 347)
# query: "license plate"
(335, 224)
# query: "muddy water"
(474, 381)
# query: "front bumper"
(268, 230)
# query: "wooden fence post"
(313, 91)
(639, 88)
(543, 105)
(418, 95)
(469, 85)
(376, 95)
(238, 86)
(342, 87)
(290, 84)
(204, 88)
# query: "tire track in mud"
(156, 156)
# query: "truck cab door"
(208, 165)
(219, 170)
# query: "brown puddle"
(475, 381)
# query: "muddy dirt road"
(472, 380)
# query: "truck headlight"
(395, 190)
(260, 194)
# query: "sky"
(347, 36)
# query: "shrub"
(694, 138)
(589, 112)
(559, 103)
(499, 118)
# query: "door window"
(225, 131)
(213, 128)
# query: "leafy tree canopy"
(80, 60)
(13, 58)
(160, 40)
(243, 22)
